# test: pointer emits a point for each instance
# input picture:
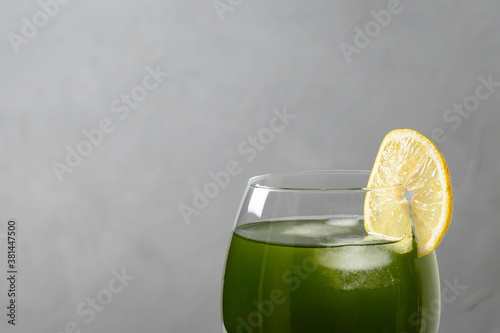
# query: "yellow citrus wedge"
(409, 161)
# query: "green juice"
(325, 275)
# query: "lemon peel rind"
(430, 154)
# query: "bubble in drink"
(319, 274)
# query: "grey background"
(119, 209)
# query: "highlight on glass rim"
(342, 251)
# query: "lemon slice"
(409, 161)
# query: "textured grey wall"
(177, 90)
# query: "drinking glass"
(301, 261)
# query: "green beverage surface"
(325, 275)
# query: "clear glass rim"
(265, 181)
